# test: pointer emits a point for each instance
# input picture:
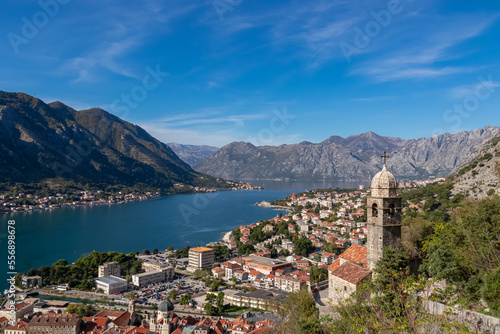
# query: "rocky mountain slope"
(42, 141)
(479, 177)
(356, 157)
(192, 154)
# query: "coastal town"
(252, 268)
(234, 285)
(27, 202)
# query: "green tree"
(155, 251)
(303, 246)
(174, 294)
(300, 315)
(82, 310)
(185, 299)
(215, 285)
(170, 248)
(209, 309)
(210, 297)
(220, 302)
(146, 252)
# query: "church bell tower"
(384, 215)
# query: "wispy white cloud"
(461, 92)
(214, 136)
(427, 56)
(107, 56)
(204, 120)
(123, 33)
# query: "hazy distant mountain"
(353, 158)
(193, 154)
(40, 141)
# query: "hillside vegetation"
(448, 239)
(40, 142)
(480, 176)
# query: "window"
(374, 210)
(392, 210)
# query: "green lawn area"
(241, 309)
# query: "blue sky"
(269, 72)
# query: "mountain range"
(193, 154)
(356, 157)
(40, 141)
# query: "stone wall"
(477, 322)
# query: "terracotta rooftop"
(99, 321)
(351, 272)
(356, 254)
(20, 325)
(59, 320)
(109, 314)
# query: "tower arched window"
(374, 210)
(392, 210)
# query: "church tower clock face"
(383, 215)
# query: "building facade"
(109, 268)
(111, 284)
(155, 276)
(201, 258)
(28, 281)
(55, 324)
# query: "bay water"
(44, 237)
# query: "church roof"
(123, 319)
(351, 272)
(356, 254)
(384, 180)
(166, 306)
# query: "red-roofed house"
(21, 327)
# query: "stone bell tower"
(384, 215)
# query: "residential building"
(55, 324)
(201, 258)
(109, 268)
(263, 264)
(328, 258)
(303, 264)
(152, 266)
(151, 277)
(21, 309)
(288, 283)
(111, 284)
(241, 275)
(261, 299)
(21, 327)
(218, 272)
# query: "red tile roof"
(351, 272)
(99, 321)
(122, 319)
(356, 254)
(20, 325)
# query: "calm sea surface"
(44, 237)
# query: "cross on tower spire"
(385, 156)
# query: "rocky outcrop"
(479, 176)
